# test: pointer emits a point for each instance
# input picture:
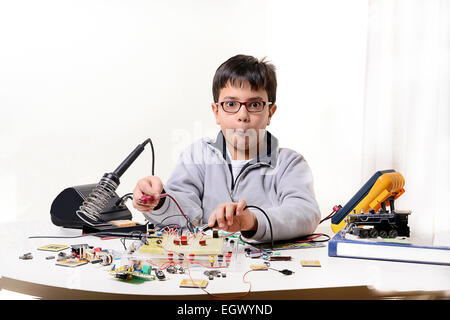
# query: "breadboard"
(165, 243)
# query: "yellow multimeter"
(381, 189)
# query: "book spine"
(332, 248)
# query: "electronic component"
(382, 223)
(310, 263)
(62, 256)
(53, 247)
(134, 271)
(253, 253)
(26, 256)
(171, 242)
(193, 283)
(71, 262)
(211, 260)
(280, 258)
(380, 190)
(106, 259)
(259, 267)
(160, 275)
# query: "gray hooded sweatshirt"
(278, 180)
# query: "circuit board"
(192, 244)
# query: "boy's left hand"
(232, 217)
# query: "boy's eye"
(255, 105)
(230, 104)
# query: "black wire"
(153, 154)
(268, 220)
(188, 221)
(171, 226)
(122, 199)
(321, 234)
(131, 234)
(122, 240)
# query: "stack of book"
(404, 250)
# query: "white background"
(82, 83)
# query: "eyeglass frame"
(268, 103)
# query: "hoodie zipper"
(234, 184)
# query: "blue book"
(389, 250)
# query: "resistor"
(228, 258)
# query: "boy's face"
(243, 130)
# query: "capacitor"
(146, 269)
(211, 260)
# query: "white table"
(337, 278)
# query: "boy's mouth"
(240, 132)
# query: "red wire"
(309, 238)
(327, 217)
(179, 208)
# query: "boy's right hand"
(148, 186)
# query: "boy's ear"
(272, 110)
(215, 110)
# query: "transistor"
(26, 256)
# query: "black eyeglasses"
(235, 106)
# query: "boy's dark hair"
(240, 68)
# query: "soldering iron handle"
(129, 160)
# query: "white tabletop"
(337, 278)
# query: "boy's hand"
(148, 186)
(224, 217)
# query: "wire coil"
(97, 200)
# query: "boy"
(214, 181)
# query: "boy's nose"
(243, 114)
